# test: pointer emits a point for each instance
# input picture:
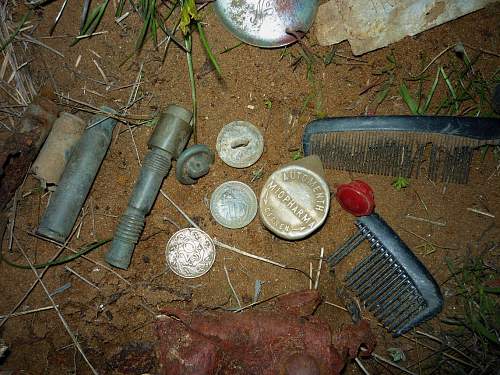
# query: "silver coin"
(295, 200)
(240, 144)
(266, 23)
(190, 253)
(233, 204)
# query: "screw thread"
(130, 228)
(158, 161)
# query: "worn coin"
(233, 204)
(295, 199)
(240, 144)
(190, 253)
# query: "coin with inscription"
(233, 204)
(190, 253)
(295, 199)
(240, 144)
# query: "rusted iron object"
(286, 340)
(18, 150)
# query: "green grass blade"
(93, 20)
(206, 45)
(16, 31)
(119, 8)
(189, 56)
(408, 99)
(430, 95)
(231, 48)
(450, 89)
(147, 21)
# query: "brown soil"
(119, 315)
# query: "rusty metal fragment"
(18, 150)
(284, 340)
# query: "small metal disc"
(295, 200)
(233, 204)
(240, 144)
(190, 253)
(266, 23)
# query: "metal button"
(233, 204)
(240, 144)
(190, 253)
(295, 199)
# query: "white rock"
(373, 24)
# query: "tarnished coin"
(240, 144)
(233, 204)
(295, 199)
(190, 253)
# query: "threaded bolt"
(167, 141)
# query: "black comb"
(400, 146)
(393, 284)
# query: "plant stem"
(188, 41)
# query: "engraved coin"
(190, 253)
(233, 204)
(266, 23)
(240, 144)
(294, 202)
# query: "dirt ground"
(116, 313)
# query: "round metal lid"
(190, 253)
(233, 204)
(264, 23)
(294, 202)
(240, 144)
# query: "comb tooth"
(375, 280)
(357, 159)
(419, 158)
(358, 268)
(432, 163)
(361, 267)
(414, 307)
(407, 303)
(352, 243)
(354, 282)
(380, 283)
(394, 302)
(393, 161)
(336, 153)
(408, 320)
(397, 314)
(390, 297)
(368, 154)
(381, 156)
(351, 151)
(369, 276)
(383, 293)
(363, 155)
(354, 166)
(374, 153)
(465, 177)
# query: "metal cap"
(266, 23)
(173, 130)
(295, 199)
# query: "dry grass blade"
(231, 286)
(61, 317)
(27, 312)
(19, 85)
